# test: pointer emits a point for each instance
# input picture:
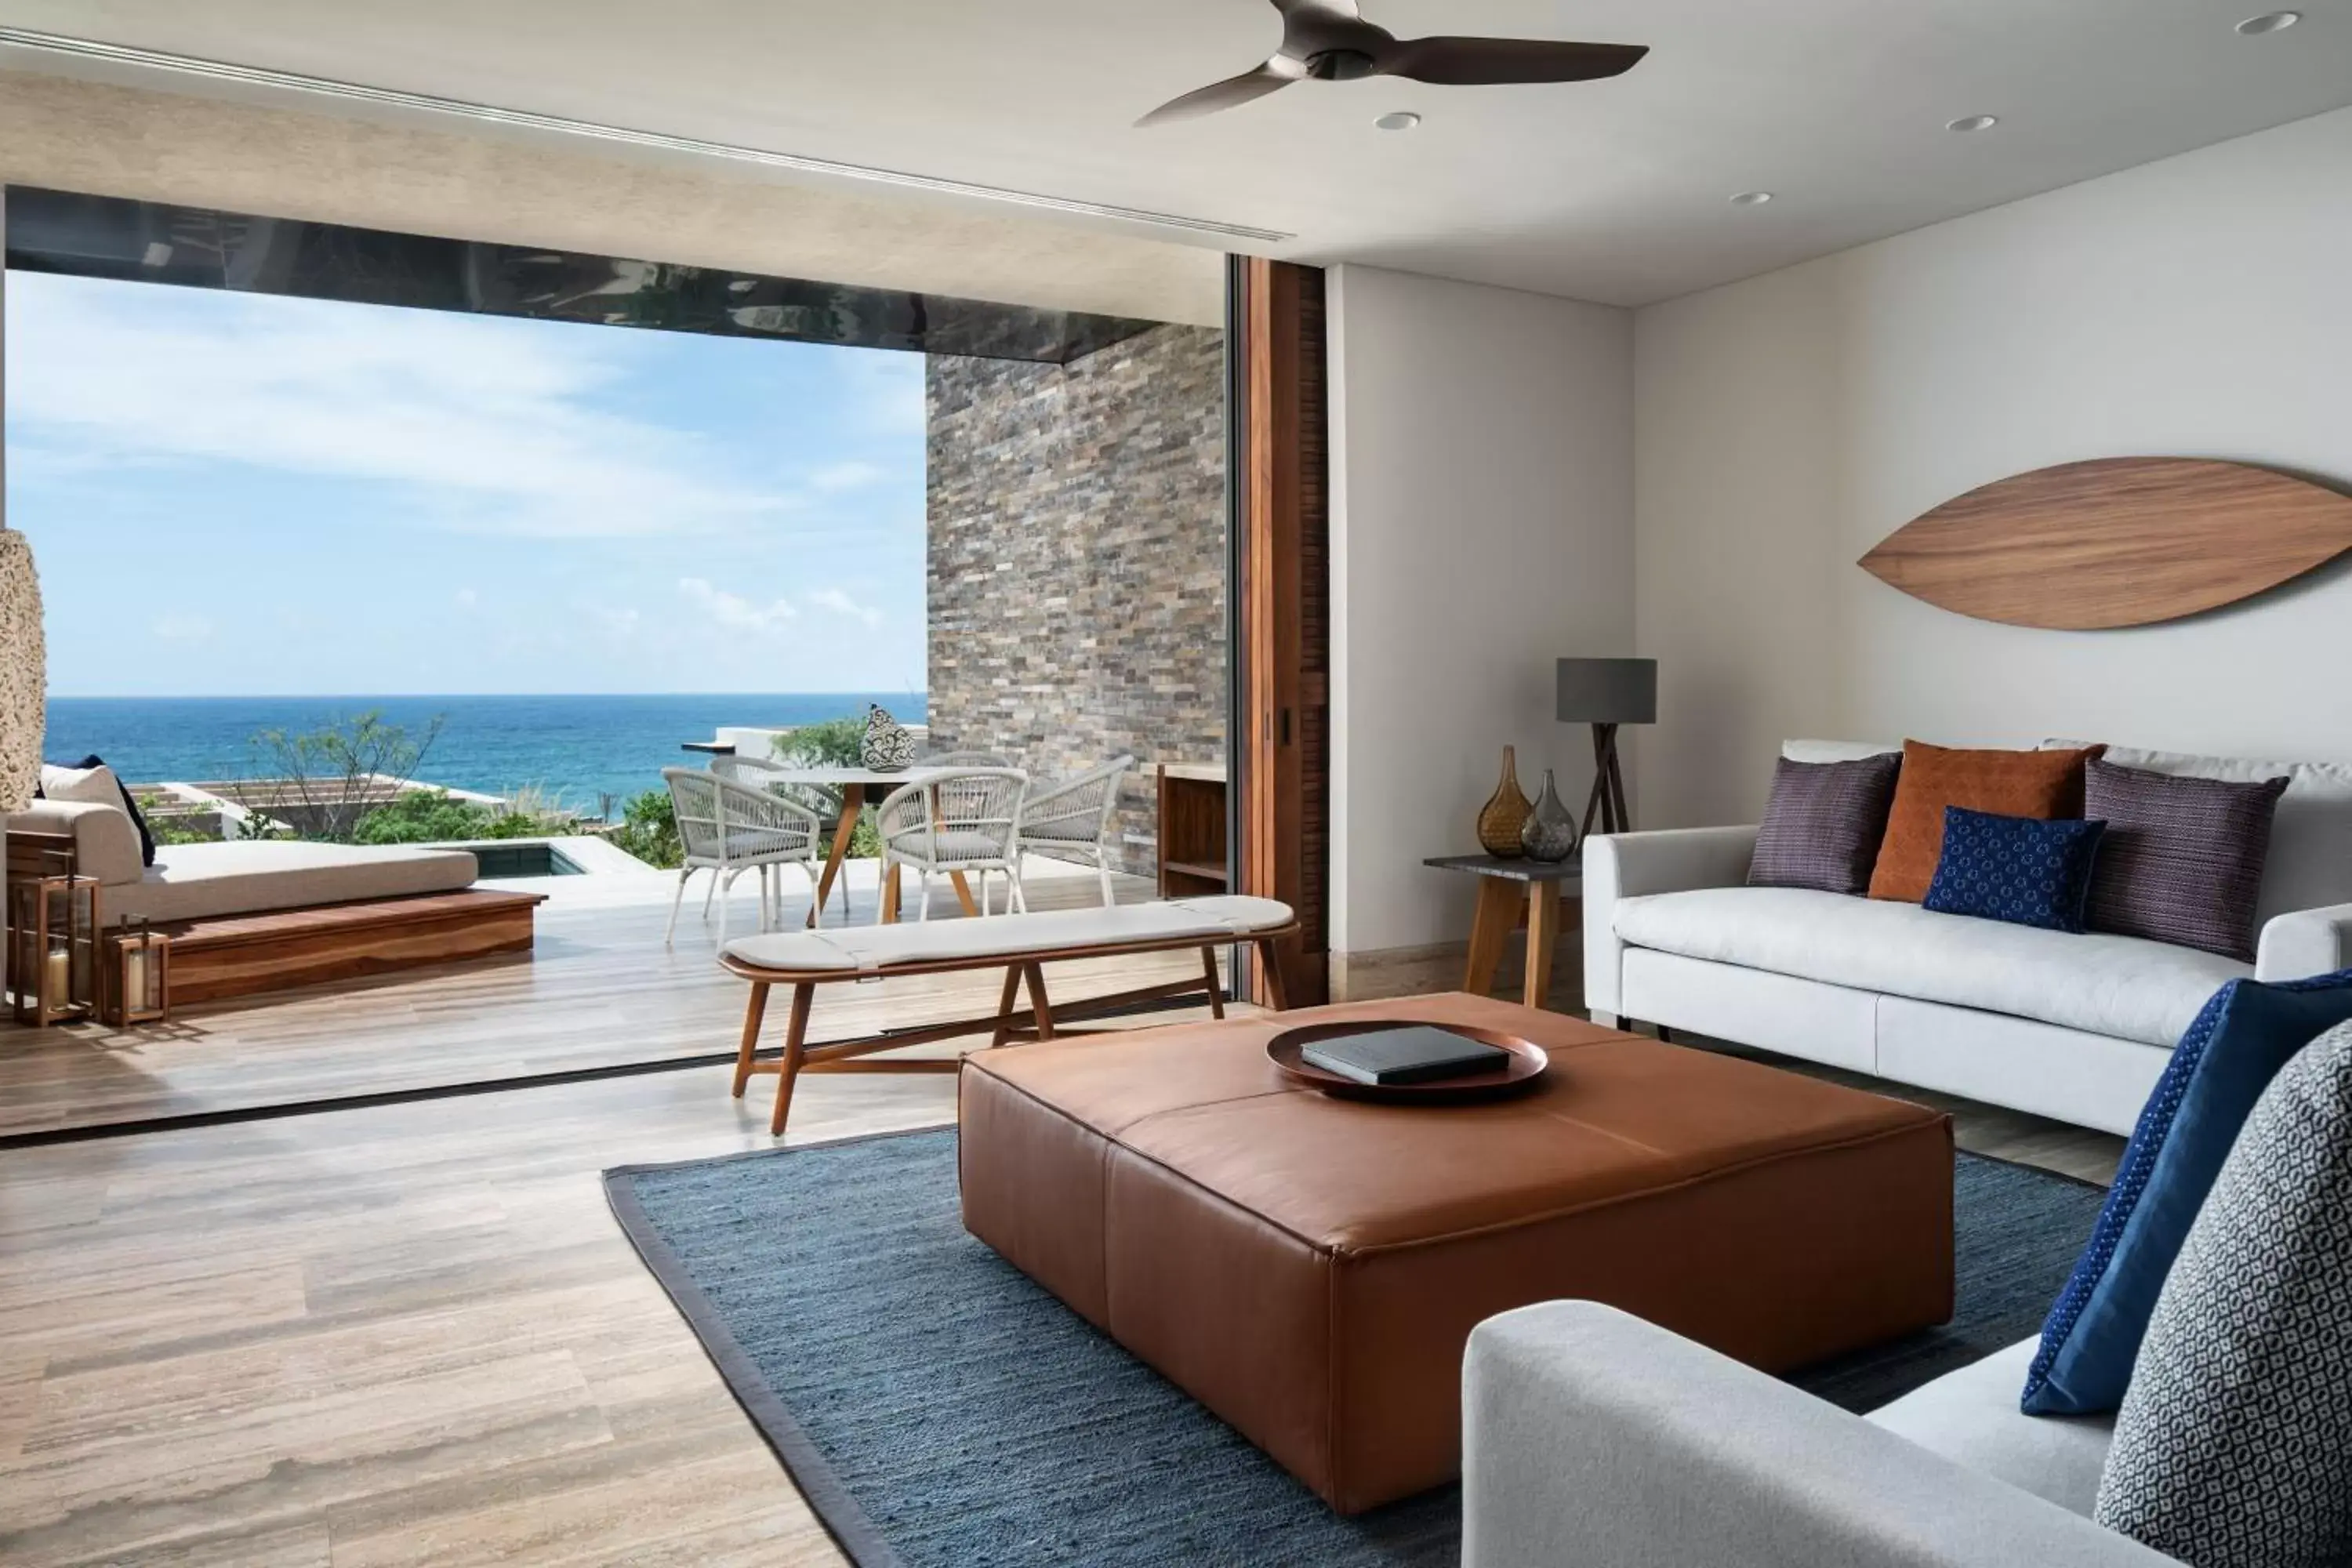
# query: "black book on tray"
(1414, 1053)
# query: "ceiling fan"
(1328, 40)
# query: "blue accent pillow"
(2244, 1035)
(2024, 869)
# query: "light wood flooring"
(411, 1334)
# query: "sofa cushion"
(2024, 869)
(2310, 863)
(1822, 825)
(2238, 1044)
(2183, 856)
(2229, 1446)
(199, 881)
(93, 782)
(2120, 985)
(1970, 1418)
(2043, 784)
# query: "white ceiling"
(1611, 191)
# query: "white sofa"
(1593, 1440)
(2074, 1027)
(199, 881)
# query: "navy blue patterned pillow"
(2022, 869)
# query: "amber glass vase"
(1505, 813)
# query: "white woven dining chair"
(965, 760)
(1072, 821)
(968, 821)
(728, 829)
(759, 773)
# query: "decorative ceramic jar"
(888, 747)
(1505, 813)
(1549, 833)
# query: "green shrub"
(426, 816)
(834, 743)
(648, 829)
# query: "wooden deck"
(599, 991)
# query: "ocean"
(573, 747)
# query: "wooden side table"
(1512, 893)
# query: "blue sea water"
(575, 748)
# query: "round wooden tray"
(1526, 1065)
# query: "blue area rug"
(940, 1409)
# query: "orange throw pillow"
(2044, 785)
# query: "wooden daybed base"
(247, 955)
(1021, 945)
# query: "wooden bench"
(1021, 945)
(245, 955)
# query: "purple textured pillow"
(2183, 858)
(1822, 825)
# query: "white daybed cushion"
(1223, 918)
(2120, 985)
(199, 881)
(1970, 1418)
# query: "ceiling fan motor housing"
(1340, 64)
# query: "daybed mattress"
(199, 881)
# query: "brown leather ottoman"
(1309, 1269)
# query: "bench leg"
(1270, 964)
(1005, 1001)
(795, 1040)
(752, 1016)
(1037, 1003)
(1216, 987)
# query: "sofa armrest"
(105, 843)
(1591, 1438)
(1628, 864)
(2304, 942)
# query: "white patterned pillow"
(2230, 1449)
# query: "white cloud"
(492, 424)
(183, 628)
(733, 611)
(841, 603)
(468, 599)
(838, 477)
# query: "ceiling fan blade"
(1276, 73)
(1337, 10)
(1496, 62)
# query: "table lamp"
(1605, 693)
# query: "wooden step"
(245, 955)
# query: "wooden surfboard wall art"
(2116, 542)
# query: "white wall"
(1482, 517)
(2199, 307)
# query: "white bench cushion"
(2117, 985)
(248, 877)
(979, 939)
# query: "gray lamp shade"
(1608, 691)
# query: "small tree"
(337, 774)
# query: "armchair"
(1072, 821)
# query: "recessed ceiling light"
(1973, 123)
(1403, 119)
(2269, 22)
(1751, 198)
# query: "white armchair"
(728, 828)
(1072, 821)
(968, 821)
(759, 773)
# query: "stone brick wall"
(1077, 562)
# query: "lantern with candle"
(53, 954)
(135, 985)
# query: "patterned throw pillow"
(2230, 1448)
(2227, 1057)
(2183, 858)
(2043, 783)
(2022, 870)
(1822, 825)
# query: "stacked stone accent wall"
(1077, 563)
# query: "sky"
(247, 495)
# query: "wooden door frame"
(1278, 489)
